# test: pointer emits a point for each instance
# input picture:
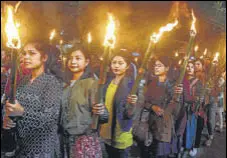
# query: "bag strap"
(141, 113)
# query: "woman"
(200, 113)
(193, 87)
(159, 99)
(117, 133)
(80, 140)
(38, 102)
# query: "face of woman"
(118, 65)
(190, 69)
(160, 69)
(32, 58)
(198, 66)
(77, 62)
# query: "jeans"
(211, 115)
(199, 129)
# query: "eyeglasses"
(158, 66)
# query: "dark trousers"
(116, 153)
(200, 125)
(145, 151)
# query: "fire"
(196, 48)
(201, 57)
(193, 22)
(52, 34)
(11, 30)
(110, 38)
(61, 42)
(180, 62)
(17, 5)
(205, 52)
(216, 56)
(155, 37)
(89, 39)
(176, 54)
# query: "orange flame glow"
(201, 57)
(216, 56)
(17, 5)
(61, 42)
(11, 30)
(155, 37)
(89, 39)
(180, 62)
(205, 52)
(52, 34)
(110, 38)
(196, 48)
(193, 22)
(176, 54)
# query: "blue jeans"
(211, 115)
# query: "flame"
(136, 59)
(180, 62)
(52, 34)
(196, 48)
(110, 29)
(193, 22)
(17, 5)
(89, 39)
(11, 31)
(176, 54)
(205, 52)
(201, 57)
(216, 56)
(155, 37)
(61, 42)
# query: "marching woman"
(38, 102)
(193, 86)
(80, 140)
(117, 133)
(158, 97)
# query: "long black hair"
(52, 65)
(88, 70)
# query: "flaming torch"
(14, 43)
(205, 52)
(109, 43)
(154, 38)
(89, 39)
(52, 34)
(190, 44)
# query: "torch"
(196, 48)
(89, 39)
(14, 43)
(52, 34)
(109, 42)
(176, 97)
(153, 40)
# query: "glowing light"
(89, 39)
(52, 34)
(155, 37)
(13, 39)
(110, 38)
(193, 23)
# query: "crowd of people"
(57, 107)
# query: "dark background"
(137, 20)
